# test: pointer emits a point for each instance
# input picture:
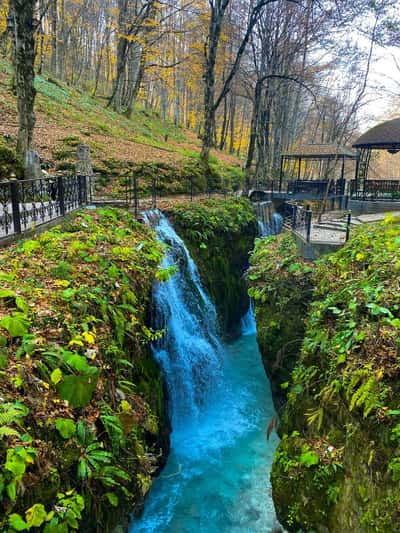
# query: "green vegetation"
(337, 466)
(169, 179)
(281, 287)
(82, 423)
(219, 234)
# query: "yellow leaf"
(88, 337)
(76, 342)
(61, 283)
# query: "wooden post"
(299, 170)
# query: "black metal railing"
(311, 188)
(299, 219)
(25, 204)
(316, 187)
(375, 189)
(141, 194)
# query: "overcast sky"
(383, 87)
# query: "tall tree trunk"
(54, 37)
(24, 59)
(253, 131)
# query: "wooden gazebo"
(385, 136)
(311, 153)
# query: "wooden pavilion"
(299, 167)
(385, 136)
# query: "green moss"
(281, 284)
(10, 163)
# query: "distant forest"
(250, 77)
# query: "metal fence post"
(61, 194)
(82, 190)
(15, 205)
(308, 224)
(294, 216)
(348, 226)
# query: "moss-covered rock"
(281, 287)
(220, 234)
(82, 418)
(10, 163)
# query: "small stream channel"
(217, 476)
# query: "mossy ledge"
(337, 467)
(219, 235)
(82, 420)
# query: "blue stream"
(217, 476)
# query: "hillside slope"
(67, 116)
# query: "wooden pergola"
(316, 153)
(385, 136)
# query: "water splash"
(190, 352)
(217, 475)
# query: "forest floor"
(66, 116)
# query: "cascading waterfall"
(217, 475)
(269, 222)
(190, 352)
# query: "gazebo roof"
(385, 136)
(321, 151)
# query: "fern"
(6, 431)
(366, 396)
(315, 416)
(12, 413)
(115, 431)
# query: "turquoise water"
(217, 476)
(216, 479)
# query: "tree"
(211, 103)
(22, 14)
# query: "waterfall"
(216, 479)
(190, 352)
(269, 222)
(248, 323)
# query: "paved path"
(326, 232)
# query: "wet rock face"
(280, 284)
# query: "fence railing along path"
(142, 194)
(301, 220)
(26, 204)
